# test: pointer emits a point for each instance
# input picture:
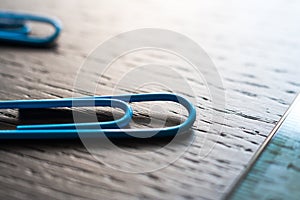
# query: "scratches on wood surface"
(254, 46)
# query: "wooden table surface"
(253, 44)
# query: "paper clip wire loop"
(87, 130)
(52, 103)
(13, 29)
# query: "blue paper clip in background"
(112, 129)
(14, 29)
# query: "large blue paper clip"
(111, 129)
(15, 29)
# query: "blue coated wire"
(87, 130)
(51, 103)
(13, 29)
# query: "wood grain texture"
(254, 45)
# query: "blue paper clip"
(112, 129)
(13, 29)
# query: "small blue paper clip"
(13, 29)
(112, 129)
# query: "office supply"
(113, 129)
(51, 103)
(15, 29)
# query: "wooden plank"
(254, 45)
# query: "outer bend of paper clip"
(52, 103)
(13, 29)
(86, 129)
(154, 132)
